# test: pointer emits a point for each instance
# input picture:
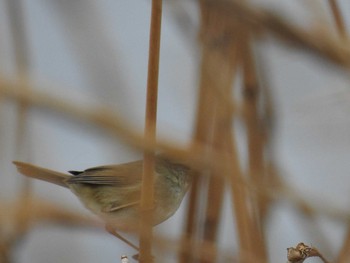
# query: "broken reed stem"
(338, 18)
(147, 188)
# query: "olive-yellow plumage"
(113, 192)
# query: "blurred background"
(92, 53)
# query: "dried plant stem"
(220, 72)
(147, 189)
(40, 212)
(217, 34)
(323, 46)
(239, 202)
(255, 139)
(186, 252)
(105, 118)
(202, 134)
(114, 123)
(338, 18)
(17, 24)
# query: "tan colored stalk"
(147, 189)
(264, 21)
(221, 50)
(338, 18)
(255, 139)
(20, 47)
(202, 134)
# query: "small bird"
(113, 192)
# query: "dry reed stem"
(105, 118)
(267, 128)
(112, 122)
(217, 35)
(147, 188)
(220, 49)
(239, 201)
(203, 132)
(338, 19)
(220, 40)
(258, 19)
(19, 37)
(321, 45)
(255, 135)
(255, 139)
(40, 212)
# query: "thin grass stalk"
(147, 189)
(338, 18)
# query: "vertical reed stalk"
(221, 50)
(147, 190)
(20, 45)
(202, 134)
(255, 140)
(223, 66)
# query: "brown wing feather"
(123, 175)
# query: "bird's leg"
(113, 232)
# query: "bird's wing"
(126, 174)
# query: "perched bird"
(113, 192)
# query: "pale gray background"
(96, 52)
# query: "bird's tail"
(42, 173)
